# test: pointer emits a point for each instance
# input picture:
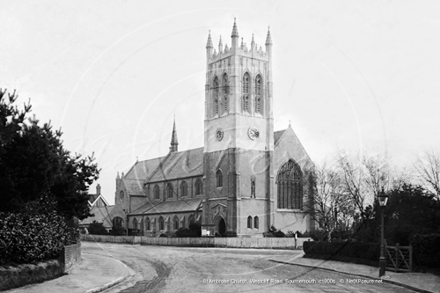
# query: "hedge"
(359, 252)
(30, 238)
(426, 250)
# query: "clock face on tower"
(219, 134)
(253, 133)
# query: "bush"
(118, 231)
(194, 230)
(360, 252)
(273, 232)
(96, 228)
(29, 238)
(426, 250)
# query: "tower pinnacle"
(268, 38)
(174, 143)
(234, 30)
(209, 43)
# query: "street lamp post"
(382, 199)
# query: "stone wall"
(17, 276)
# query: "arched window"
(117, 222)
(161, 223)
(169, 190)
(219, 177)
(156, 192)
(246, 86)
(253, 186)
(135, 224)
(191, 219)
(289, 183)
(199, 186)
(176, 223)
(258, 94)
(256, 222)
(249, 222)
(183, 222)
(225, 93)
(148, 226)
(141, 227)
(216, 95)
(121, 195)
(183, 188)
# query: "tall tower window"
(219, 177)
(216, 95)
(225, 93)
(256, 222)
(258, 94)
(246, 85)
(249, 222)
(290, 191)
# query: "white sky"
(355, 75)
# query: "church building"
(246, 178)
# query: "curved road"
(173, 269)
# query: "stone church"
(246, 178)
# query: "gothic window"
(225, 92)
(249, 222)
(258, 94)
(246, 86)
(216, 95)
(121, 195)
(148, 226)
(161, 223)
(256, 222)
(191, 219)
(156, 192)
(176, 223)
(253, 186)
(169, 190)
(183, 188)
(117, 222)
(183, 222)
(135, 224)
(290, 191)
(199, 186)
(219, 177)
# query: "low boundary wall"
(21, 275)
(232, 242)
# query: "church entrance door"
(221, 226)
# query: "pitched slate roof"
(182, 205)
(134, 187)
(179, 164)
(141, 170)
(101, 215)
(277, 135)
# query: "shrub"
(426, 249)
(273, 232)
(29, 238)
(96, 228)
(194, 230)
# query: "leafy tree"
(34, 164)
(97, 228)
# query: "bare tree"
(377, 173)
(328, 200)
(428, 171)
(353, 181)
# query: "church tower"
(238, 138)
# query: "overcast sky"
(354, 75)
